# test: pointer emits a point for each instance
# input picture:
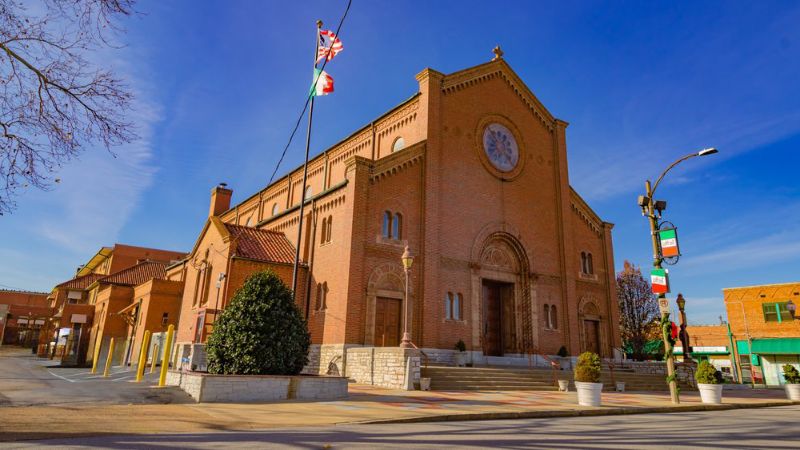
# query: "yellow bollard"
(155, 357)
(109, 357)
(96, 356)
(162, 380)
(143, 356)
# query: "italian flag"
(659, 281)
(669, 242)
(323, 83)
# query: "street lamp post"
(649, 209)
(408, 260)
(684, 335)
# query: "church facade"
(471, 174)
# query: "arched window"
(589, 264)
(387, 224)
(318, 305)
(583, 262)
(307, 195)
(323, 234)
(457, 307)
(274, 209)
(553, 318)
(448, 306)
(547, 316)
(398, 144)
(397, 226)
(329, 233)
(325, 295)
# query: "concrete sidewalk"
(366, 404)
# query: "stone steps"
(522, 378)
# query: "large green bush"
(261, 332)
(708, 374)
(790, 374)
(587, 369)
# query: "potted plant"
(792, 386)
(587, 379)
(709, 383)
(460, 356)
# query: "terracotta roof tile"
(138, 274)
(261, 245)
(81, 282)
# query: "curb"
(578, 413)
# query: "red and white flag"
(329, 45)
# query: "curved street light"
(649, 207)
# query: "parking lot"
(29, 381)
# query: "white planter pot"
(563, 385)
(425, 384)
(792, 391)
(461, 358)
(710, 393)
(588, 393)
(620, 385)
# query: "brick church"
(471, 174)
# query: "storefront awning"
(779, 346)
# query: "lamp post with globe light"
(408, 260)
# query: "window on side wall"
(397, 226)
(386, 229)
(398, 144)
(448, 306)
(457, 302)
(547, 317)
(274, 209)
(553, 318)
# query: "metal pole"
(162, 379)
(143, 356)
(305, 175)
(406, 342)
(673, 385)
(110, 356)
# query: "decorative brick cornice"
(585, 213)
(397, 162)
(499, 69)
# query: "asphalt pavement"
(768, 428)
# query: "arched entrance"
(501, 296)
(592, 338)
(384, 320)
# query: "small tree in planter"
(460, 356)
(709, 382)
(261, 332)
(587, 379)
(792, 386)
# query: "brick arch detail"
(385, 280)
(495, 238)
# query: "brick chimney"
(220, 200)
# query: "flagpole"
(305, 173)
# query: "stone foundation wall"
(328, 359)
(209, 388)
(383, 366)
(684, 372)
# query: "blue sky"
(219, 85)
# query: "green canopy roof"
(779, 346)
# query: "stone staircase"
(496, 378)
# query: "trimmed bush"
(461, 346)
(261, 332)
(790, 374)
(562, 352)
(708, 374)
(587, 369)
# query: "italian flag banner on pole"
(659, 281)
(323, 83)
(669, 242)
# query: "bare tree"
(638, 309)
(53, 100)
